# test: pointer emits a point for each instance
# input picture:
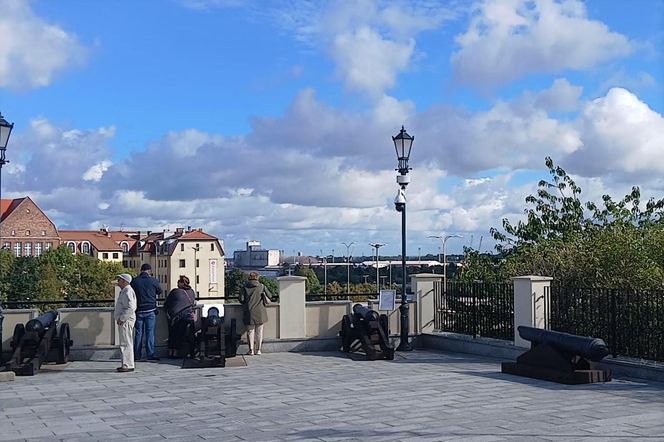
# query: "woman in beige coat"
(254, 296)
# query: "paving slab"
(421, 395)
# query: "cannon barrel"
(594, 349)
(40, 323)
(365, 312)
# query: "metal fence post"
(614, 325)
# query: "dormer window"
(27, 233)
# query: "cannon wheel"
(19, 331)
(231, 340)
(384, 324)
(64, 344)
(346, 338)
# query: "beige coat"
(125, 307)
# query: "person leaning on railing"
(179, 308)
(254, 296)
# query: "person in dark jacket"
(179, 308)
(147, 289)
(254, 296)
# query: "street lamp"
(5, 132)
(443, 239)
(348, 246)
(377, 246)
(402, 144)
(196, 250)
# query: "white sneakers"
(251, 353)
(258, 352)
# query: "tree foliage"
(606, 244)
(57, 275)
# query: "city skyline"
(273, 121)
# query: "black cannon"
(211, 341)
(368, 328)
(38, 342)
(560, 357)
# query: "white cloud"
(94, 173)
(32, 51)
(621, 136)
(508, 39)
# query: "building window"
(17, 248)
(115, 255)
(43, 232)
(85, 248)
(7, 246)
(104, 255)
(48, 246)
(28, 249)
(13, 232)
(182, 263)
(182, 247)
(27, 233)
(197, 263)
(38, 249)
(125, 247)
(198, 279)
(125, 264)
(72, 247)
(212, 247)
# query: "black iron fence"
(630, 321)
(355, 297)
(46, 305)
(478, 309)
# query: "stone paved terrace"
(420, 396)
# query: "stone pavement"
(423, 395)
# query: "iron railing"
(477, 309)
(630, 321)
(78, 303)
(355, 297)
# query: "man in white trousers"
(125, 317)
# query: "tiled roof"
(99, 241)
(198, 234)
(8, 205)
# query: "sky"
(272, 120)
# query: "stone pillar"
(532, 304)
(292, 309)
(422, 285)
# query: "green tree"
(313, 285)
(270, 284)
(610, 244)
(233, 282)
(6, 268)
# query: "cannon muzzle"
(365, 312)
(41, 323)
(594, 349)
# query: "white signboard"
(213, 271)
(387, 300)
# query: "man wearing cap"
(125, 317)
(147, 289)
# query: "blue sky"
(272, 120)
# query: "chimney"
(179, 230)
(188, 228)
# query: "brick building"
(25, 229)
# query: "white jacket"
(125, 307)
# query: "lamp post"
(377, 246)
(402, 144)
(5, 132)
(443, 239)
(196, 250)
(348, 246)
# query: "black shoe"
(124, 370)
(154, 359)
